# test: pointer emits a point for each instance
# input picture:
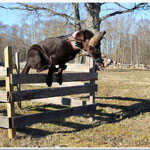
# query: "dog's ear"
(80, 36)
(84, 34)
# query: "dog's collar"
(73, 43)
(74, 35)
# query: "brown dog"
(59, 50)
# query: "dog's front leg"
(49, 79)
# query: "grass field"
(122, 117)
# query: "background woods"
(127, 40)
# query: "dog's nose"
(102, 65)
(104, 32)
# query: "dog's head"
(82, 38)
(90, 43)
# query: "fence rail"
(2, 83)
(3, 71)
(5, 122)
(52, 92)
(9, 96)
(4, 96)
(41, 78)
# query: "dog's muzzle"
(99, 63)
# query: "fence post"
(92, 93)
(17, 65)
(9, 88)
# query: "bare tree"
(77, 24)
(120, 43)
(94, 10)
(93, 21)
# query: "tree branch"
(121, 5)
(37, 8)
(122, 12)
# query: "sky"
(11, 17)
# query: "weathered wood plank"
(52, 92)
(3, 71)
(4, 122)
(3, 96)
(26, 120)
(9, 88)
(2, 83)
(92, 93)
(17, 64)
(41, 78)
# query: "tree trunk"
(77, 24)
(93, 20)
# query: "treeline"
(127, 40)
(21, 37)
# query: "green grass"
(122, 117)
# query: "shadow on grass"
(39, 133)
(142, 106)
(44, 108)
(101, 117)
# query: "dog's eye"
(92, 48)
(97, 50)
(97, 47)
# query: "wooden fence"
(9, 96)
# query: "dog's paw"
(49, 82)
(59, 79)
(64, 67)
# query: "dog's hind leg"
(59, 74)
(26, 69)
